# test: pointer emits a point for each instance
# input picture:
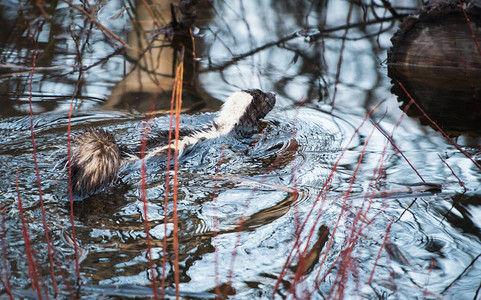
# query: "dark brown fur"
(260, 106)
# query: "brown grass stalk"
(178, 107)
(167, 188)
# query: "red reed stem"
(471, 85)
(143, 189)
(397, 149)
(39, 183)
(32, 265)
(322, 193)
(425, 290)
(7, 288)
(70, 192)
(6, 283)
(379, 252)
(346, 267)
(216, 223)
(452, 172)
(439, 128)
(473, 35)
(167, 187)
(343, 208)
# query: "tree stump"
(436, 57)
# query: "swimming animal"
(96, 157)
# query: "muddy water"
(317, 180)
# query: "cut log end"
(436, 56)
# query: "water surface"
(323, 198)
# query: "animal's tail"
(95, 161)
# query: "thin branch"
(93, 20)
(300, 33)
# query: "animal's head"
(260, 105)
(244, 109)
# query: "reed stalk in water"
(33, 268)
(6, 282)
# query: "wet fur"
(96, 158)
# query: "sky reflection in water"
(433, 238)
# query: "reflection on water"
(318, 204)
